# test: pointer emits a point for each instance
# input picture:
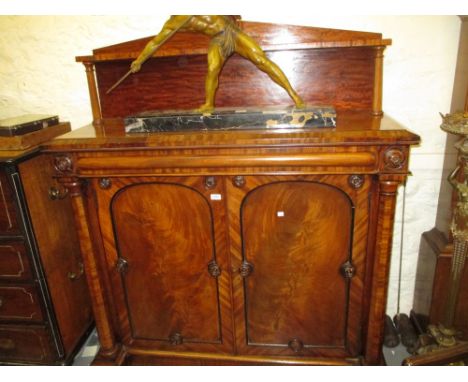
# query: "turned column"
(394, 170)
(387, 194)
(93, 93)
(378, 81)
(109, 349)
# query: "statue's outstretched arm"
(170, 26)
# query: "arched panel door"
(296, 271)
(166, 275)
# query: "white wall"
(38, 74)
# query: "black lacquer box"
(26, 124)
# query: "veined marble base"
(230, 119)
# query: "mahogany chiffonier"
(238, 247)
(45, 312)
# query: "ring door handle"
(122, 266)
(246, 269)
(214, 269)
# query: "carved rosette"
(356, 181)
(238, 181)
(210, 182)
(105, 183)
(63, 164)
(394, 159)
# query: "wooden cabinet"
(267, 246)
(195, 261)
(45, 311)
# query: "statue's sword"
(122, 79)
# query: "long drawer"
(20, 303)
(25, 343)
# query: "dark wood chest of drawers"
(44, 304)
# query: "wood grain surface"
(296, 264)
(14, 261)
(311, 211)
(58, 244)
(319, 76)
(21, 343)
(164, 232)
(9, 224)
(296, 235)
(168, 230)
(269, 36)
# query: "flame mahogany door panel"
(298, 245)
(165, 247)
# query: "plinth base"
(229, 119)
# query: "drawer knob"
(77, 275)
(1, 302)
(176, 339)
(295, 345)
(56, 194)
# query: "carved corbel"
(75, 186)
(389, 183)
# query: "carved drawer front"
(14, 262)
(19, 303)
(8, 219)
(25, 344)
